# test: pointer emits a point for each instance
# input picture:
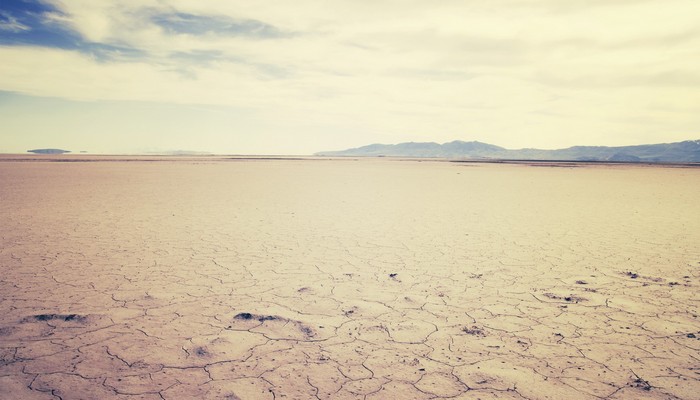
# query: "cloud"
(526, 72)
(183, 23)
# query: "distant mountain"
(680, 152)
(48, 151)
(422, 149)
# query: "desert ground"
(217, 278)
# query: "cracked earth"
(347, 279)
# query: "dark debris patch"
(641, 384)
(201, 352)
(262, 318)
(58, 317)
(6, 330)
(570, 298)
(634, 275)
(304, 329)
(474, 331)
(244, 315)
(308, 332)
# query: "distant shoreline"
(86, 158)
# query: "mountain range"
(679, 152)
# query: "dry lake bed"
(214, 278)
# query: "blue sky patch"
(27, 23)
(26, 7)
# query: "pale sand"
(345, 279)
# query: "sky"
(298, 77)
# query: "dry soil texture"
(346, 279)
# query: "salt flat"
(175, 278)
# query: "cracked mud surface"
(347, 279)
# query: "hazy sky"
(296, 77)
